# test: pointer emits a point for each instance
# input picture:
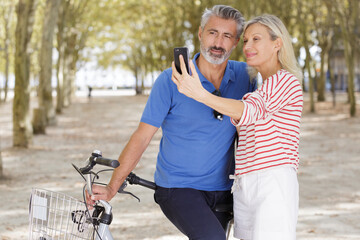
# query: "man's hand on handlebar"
(99, 193)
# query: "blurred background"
(52, 49)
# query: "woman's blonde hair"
(286, 54)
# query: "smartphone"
(184, 51)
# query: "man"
(196, 149)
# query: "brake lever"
(78, 170)
(122, 191)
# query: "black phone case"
(185, 53)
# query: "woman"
(266, 192)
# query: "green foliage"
(7, 14)
(139, 35)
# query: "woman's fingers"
(183, 65)
(193, 70)
(89, 202)
(175, 74)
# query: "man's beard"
(215, 58)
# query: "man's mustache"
(217, 49)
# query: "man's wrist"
(112, 189)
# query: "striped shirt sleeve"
(271, 97)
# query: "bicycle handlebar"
(96, 158)
(106, 162)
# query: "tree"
(347, 13)
(46, 109)
(60, 48)
(7, 14)
(73, 28)
(324, 28)
(1, 165)
(22, 128)
(304, 32)
(139, 42)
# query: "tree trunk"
(59, 87)
(350, 48)
(45, 88)
(322, 78)
(1, 165)
(68, 56)
(348, 16)
(66, 82)
(332, 78)
(311, 79)
(60, 79)
(68, 70)
(7, 64)
(350, 62)
(60, 60)
(22, 128)
(137, 74)
(301, 17)
(39, 120)
(7, 14)
(60, 83)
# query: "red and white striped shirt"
(269, 128)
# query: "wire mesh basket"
(55, 216)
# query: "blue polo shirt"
(196, 149)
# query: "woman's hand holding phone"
(189, 85)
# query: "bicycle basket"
(55, 216)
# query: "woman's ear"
(278, 43)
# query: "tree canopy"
(139, 36)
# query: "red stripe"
(290, 114)
(292, 136)
(267, 167)
(259, 153)
(288, 119)
(262, 158)
(287, 124)
(258, 164)
(249, 154)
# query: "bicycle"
(54, 215)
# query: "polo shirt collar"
(228, 76)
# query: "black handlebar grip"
(107, 162)
(133, 179)
(147, 184)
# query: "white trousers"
(266, 205)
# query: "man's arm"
(128, 159)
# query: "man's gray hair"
(225, 12)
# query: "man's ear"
(199, 33)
